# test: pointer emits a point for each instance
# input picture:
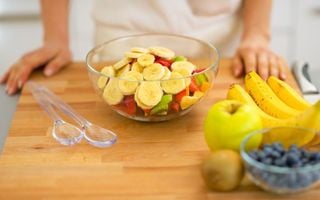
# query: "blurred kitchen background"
(295, 35)
(295, 29)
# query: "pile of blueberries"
(276, 155)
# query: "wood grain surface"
(150, 161)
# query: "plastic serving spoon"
(95, 135)
(64, 132)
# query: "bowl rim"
(213, 66)
(272, 168)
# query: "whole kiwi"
(223, 170)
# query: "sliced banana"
(129, 82)
(185, 73)
(121, 63)
(135, 74)
(112, 94)
(139, 103)
(149, 93)
(133, 54)
(183, 65)
(162, 52)
(175, 84)
(139, 50)
(167, 74)
(137, 67)
(145, 60)
(153, 72)
(123, 70)
(102, 81)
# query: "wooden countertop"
(150, 161)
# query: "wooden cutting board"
(150, 161)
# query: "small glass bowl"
(200, 53)
(282, 180)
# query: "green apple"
(228, 122)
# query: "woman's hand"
(53, 56)
(254, 54)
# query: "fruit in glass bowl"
(286, 161)
(152, 77)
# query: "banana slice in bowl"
(150, 93)
(112, 94)
(129, 82)
(109, 72)
(175, 84)
(162, 52)
(153, 72)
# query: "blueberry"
(313, 156)
(304, 161)
(267, 161)
(292, 160)
(280, 162)
(293, 147)
(253, 155)
(261, 155)
(267, 150)
(275, 154)
(278, 147)
(295, 151)
(317, 156)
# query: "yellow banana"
(308, 119)
(287, 94)
(266, 99)
(236, 92)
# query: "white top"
(215, 21)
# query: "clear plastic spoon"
(64, 132)
(95, 135)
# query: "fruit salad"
(152, 81)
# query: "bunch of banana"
(277, 103)
(266, 99)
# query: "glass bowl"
(282, 179)
(151, 98)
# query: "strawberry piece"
(193, 86)
(164, 62)
(175, 107)
(146, 112)
(130, 104)
(181, 94)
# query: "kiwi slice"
(179, 58)
(163, 105)
(200, 79)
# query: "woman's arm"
(254, 53)
(53, 55)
